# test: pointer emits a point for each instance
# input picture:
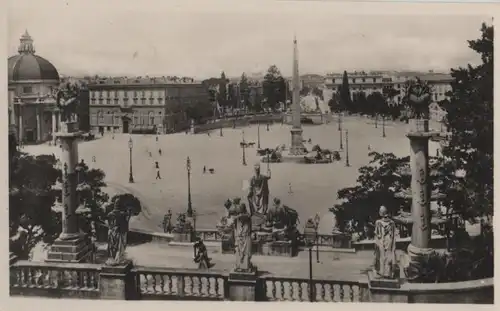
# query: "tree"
(274, 87)
(470, 147)
(31, 197)
(222, 94)
(377, 184)
(91, 197)
(345, 95)
(125, 202)
(244, 90)
(376, 103)
(305, 91)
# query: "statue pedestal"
(279, 248)
(242, 285)
(116, 282)
(184, 237)
(385, 290)
(78, 249)
(227, 246)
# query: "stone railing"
(293, 289)
(163, 283)
(209, 235)
(55, 280)
(95, 281)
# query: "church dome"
(28, 66)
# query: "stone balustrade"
(95, 281)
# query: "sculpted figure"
(118, 220)
(258, 194)
(243, 236)
(385, 245)
(67, 100)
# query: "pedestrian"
(93, 159)
(157, 165)
(204, 169)
(156, 137)
(159, 151)
(369, 147)
(150, 154)
(158, 173)
(201, 255)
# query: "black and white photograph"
(264, 151)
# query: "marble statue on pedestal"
(258, 194)
(242, 218)
(385, 245)
(118, 221)
(67, 100)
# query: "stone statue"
(418, 98)
(243, 237)
(385, 245)
(67, 100)
(258, 194)
(118, 220)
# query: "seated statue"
(281, 221)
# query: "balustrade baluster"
(292, 291)
(322, 292)
(282, 290)
(180, 285)
(300, 291)
(146, 283)
(78, 280)
(216, 286)
(95, 280)
(191, 285)
(351, 293)
(332, 292)
(162, 283)
(170, 284)
(153, 283)
(199, 285)
(341, 293)
(273, 290)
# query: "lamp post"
(190, 207)
(309, 237)
(383, 126)
(130, 146)
(220, 132)
(243, 146)
(341, 140)
(267, 126)
(347, 149)
(339, 122)
(258, 134)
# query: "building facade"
(147, 105)
(375, 82)
(32, 82)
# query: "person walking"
(159, 151)
(158, 176)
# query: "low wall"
(238, 122)
(467, 292)
(437, 241)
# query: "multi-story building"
(375, 82)
(143, 104)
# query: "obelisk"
(297, 147)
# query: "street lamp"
(316, 228)
(310, 237)
(383, 126)
(243, 146)
(130, 146)
(190, 207)
(341, 140)
(258, 134)
(268, 126)
(347, 148)
(220, 133)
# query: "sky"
(201, 39)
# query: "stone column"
(38, 125)
(419, 136)
(21, 125)
(54, 126)
(71, 245)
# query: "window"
(160, 101)
(151, 118)
(374, 80)
(136, 120)
(363, 79)
(135, 94)
(353, 80)
(143, 94)
(143, 101)
(333, 80)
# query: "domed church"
(32, 80)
